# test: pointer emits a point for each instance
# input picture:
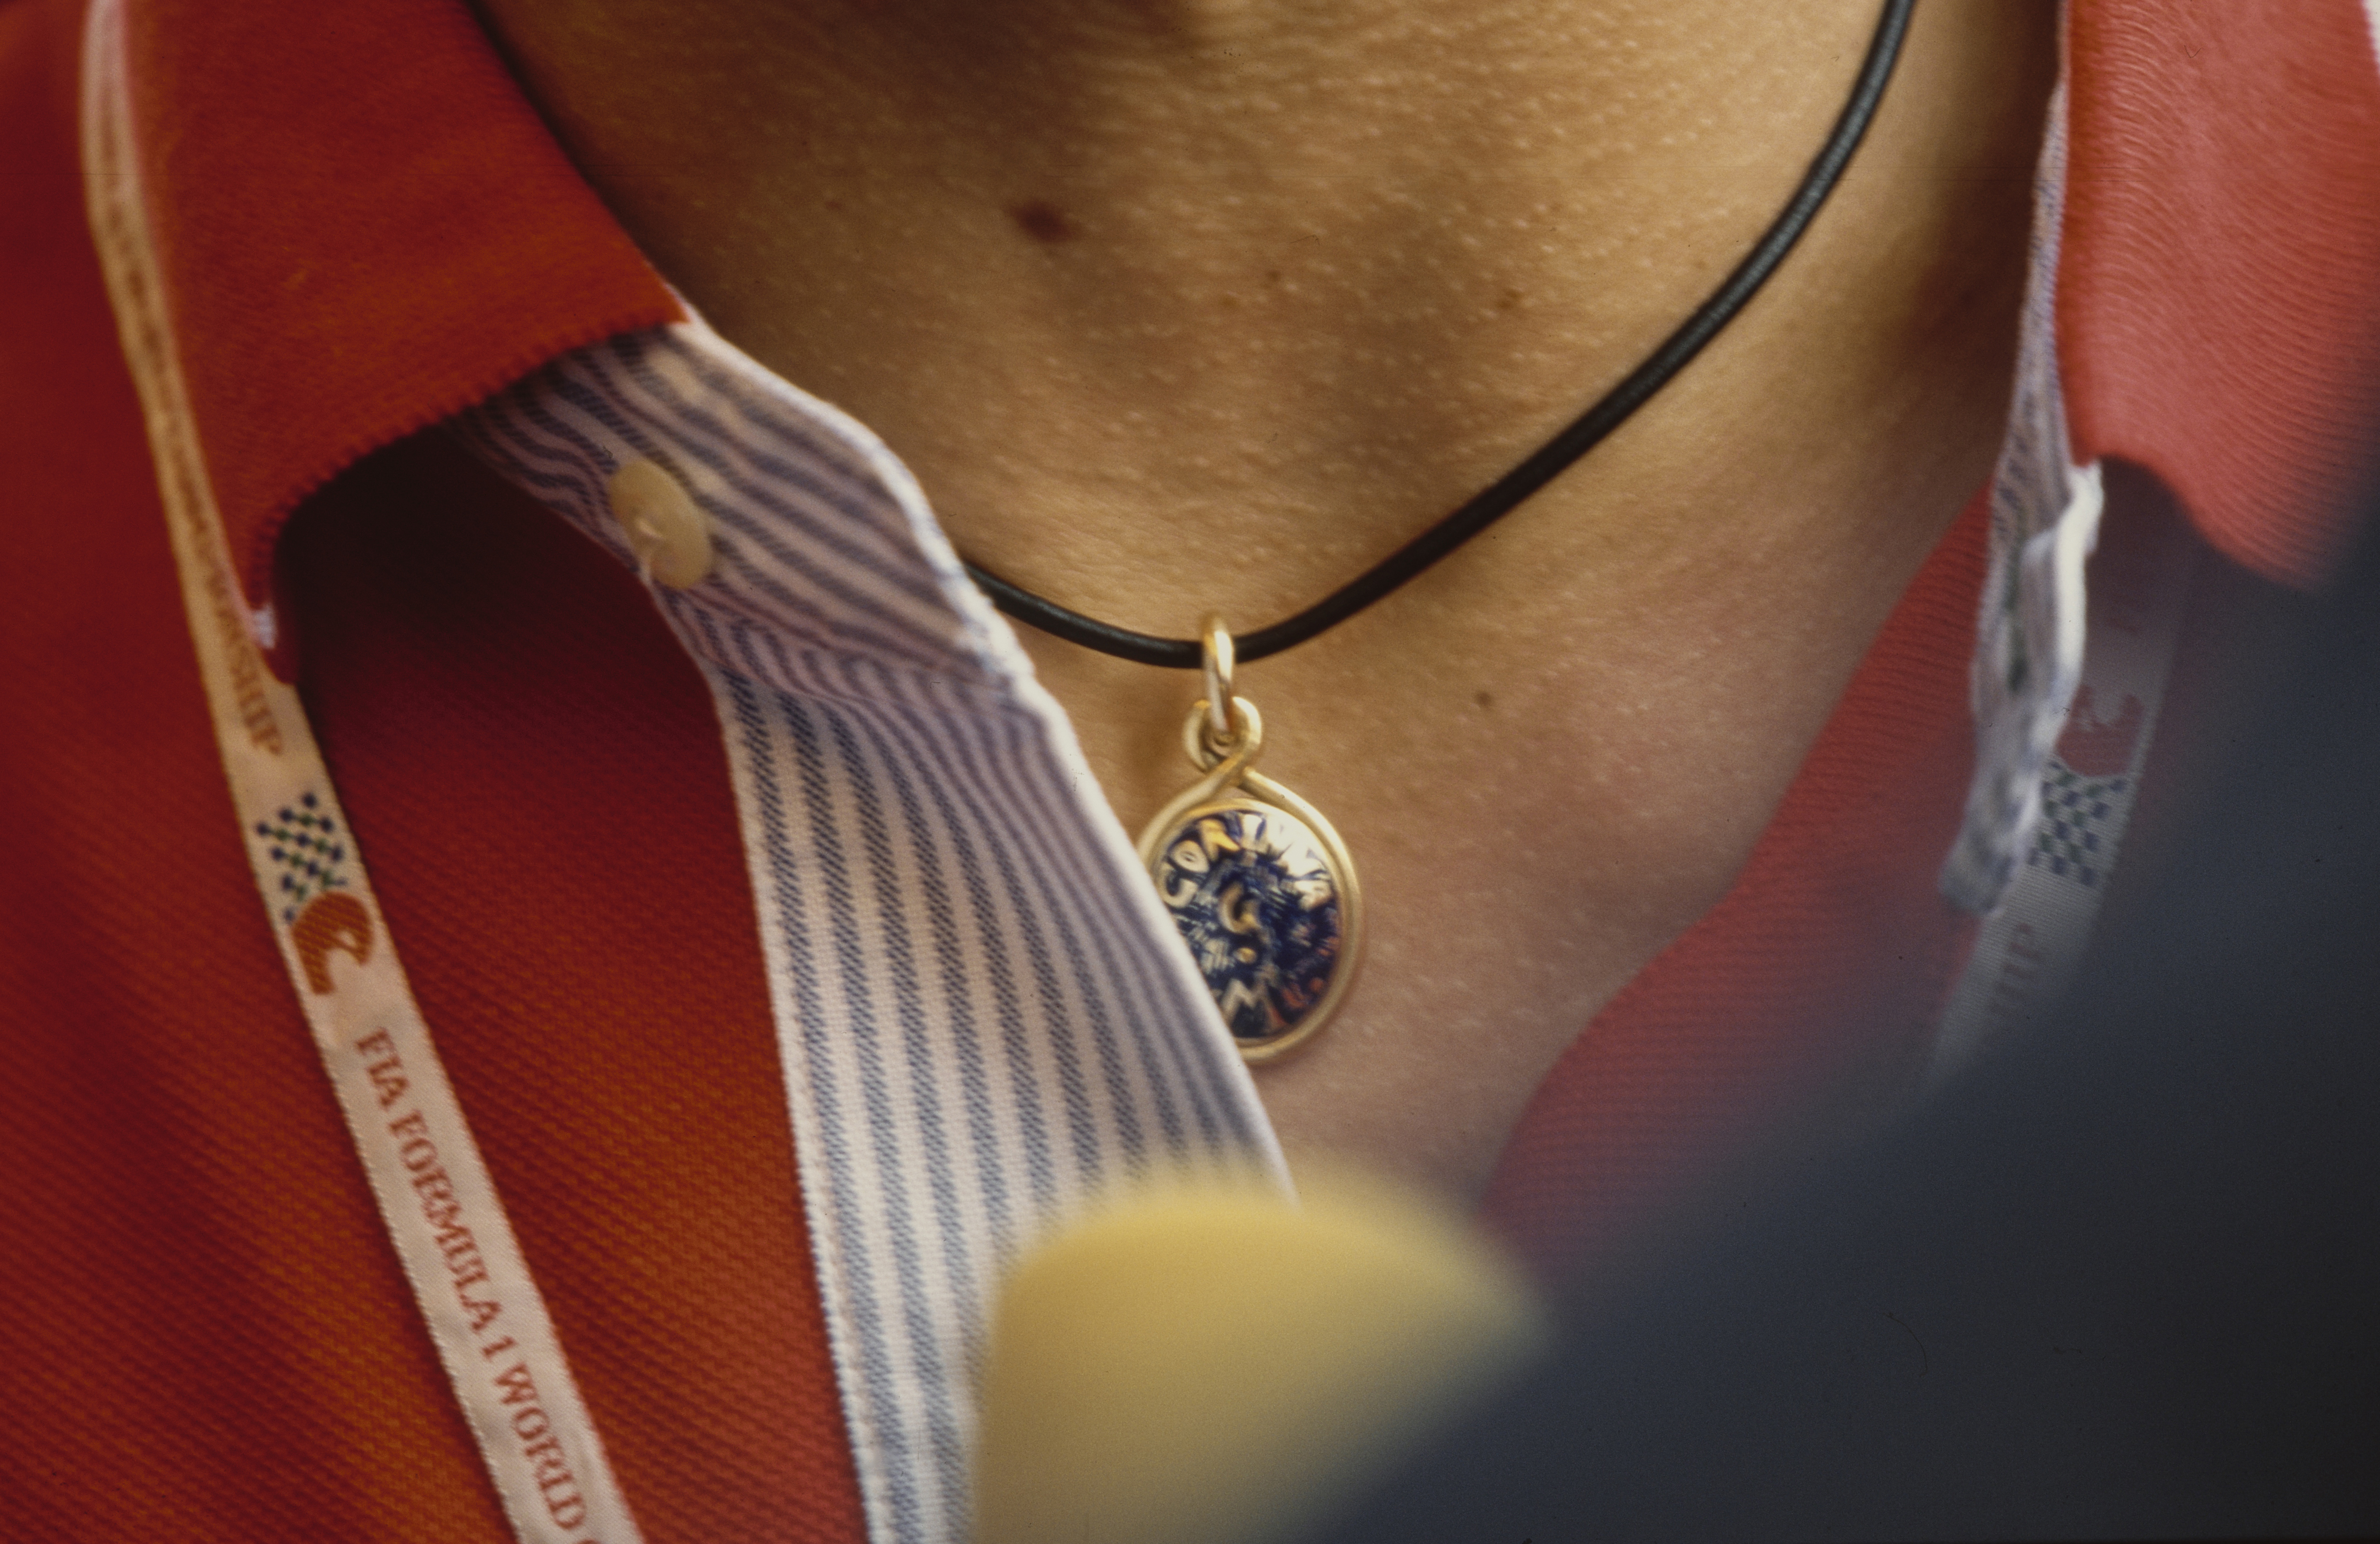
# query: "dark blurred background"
(2122, 1281)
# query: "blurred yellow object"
(1214, 1365)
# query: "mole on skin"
(1042, 220)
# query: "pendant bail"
(1216, 638)
(1258, 882)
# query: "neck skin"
(1179, 306)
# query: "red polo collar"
(2219, 284)
(364, 228)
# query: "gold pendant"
(1256, 880)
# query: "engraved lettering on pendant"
(1252, 890)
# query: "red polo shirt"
(363, 230)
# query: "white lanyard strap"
(483, 1311)
(2067, 687)
(2030, 947)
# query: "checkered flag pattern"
(305, 842)
(2075, 839)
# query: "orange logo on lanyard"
(318, 909)
(337, 920)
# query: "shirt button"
(666, 529)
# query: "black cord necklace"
(1259, 882)
(1500, 497)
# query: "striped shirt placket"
(907, 790)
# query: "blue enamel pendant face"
(1262, 887)
(1264, 906)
